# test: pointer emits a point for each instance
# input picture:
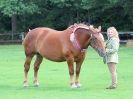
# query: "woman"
(112, 46)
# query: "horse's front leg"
(37, 63)
(78, 67)
(70, 62)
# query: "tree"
(12, 8)
(128, 7)
(59, 14)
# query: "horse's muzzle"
(101, 52)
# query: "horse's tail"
(26, 32)
(29, 30)
(25, 36)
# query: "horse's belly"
(51, 48)
(54, 57)
(52, 54)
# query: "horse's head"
(83, 35)
(80, 36)
(97, 40)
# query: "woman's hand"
(107, 50)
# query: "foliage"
(17, 7)
(59, 14)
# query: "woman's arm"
(114, 47)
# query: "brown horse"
(68, 45)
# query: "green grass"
(54, 78)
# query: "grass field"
(54, 78)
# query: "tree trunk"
(70, 19)
(89, 21)
(14, 25)
(77, 19)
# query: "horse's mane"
(76, 25)
(82, 25)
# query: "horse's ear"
(99, 28)
(91, 26)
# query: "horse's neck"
(82, 43)
(69, 30)
(83, 40)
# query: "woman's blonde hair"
(116, 34)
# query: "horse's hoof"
(73, 85)
(78, 85)
(25, 85)
(36, 84)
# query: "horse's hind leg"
(36, 68)
(26, 69)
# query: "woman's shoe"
(111, 87)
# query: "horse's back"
(49, 45)
(32, 36)
(45, 41)
(36, 33)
